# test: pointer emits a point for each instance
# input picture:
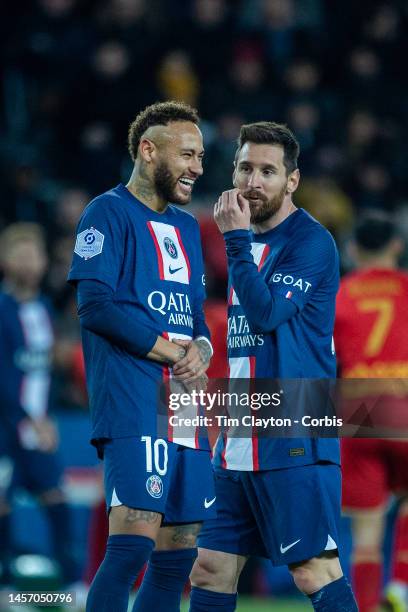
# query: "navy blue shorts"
(34, 470)
(153, 474)
(287, 515)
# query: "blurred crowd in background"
(74, 73)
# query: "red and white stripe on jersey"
(190, 434)
(241, 453)
(241, 367)
(172, 258)
(259, 253)
(39, 337)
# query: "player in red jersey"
(371, 337)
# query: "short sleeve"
(311, 264)
(99, 244)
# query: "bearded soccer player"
(138, 269)
(372, 342)
(277, 498)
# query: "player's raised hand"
(195, 363)
(232, 211)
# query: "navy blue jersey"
(298, 261)
(26, 343)
(153, 263)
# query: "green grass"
(254, 604)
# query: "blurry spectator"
(261, 59)
(302, 79)
(105, 88)
(123, 18)
(138, 24)
(278, 18)
(50, 41)
(327, 203)
(274, 21)
(384, 32)
(304, 119)
(376, 286)
(303, 85)
(371, 188)
(24, 200)
(367, 80)
(98, 161)
(27, 341)
(219, 156)
(330, 160)
(68, 208)
(310, 15)
(206, 21)
(384, 26)
(176, 78)
(92, 130)
(248, 94)
(362, 131)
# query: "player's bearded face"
(263, 208)
(167, 184)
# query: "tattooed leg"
(132, 521)
(174, 537)
(168, 569)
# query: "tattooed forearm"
(204, 350)
(181, 353)
(134, 516)
(186, 534)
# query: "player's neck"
(142, 188)
(21, 293)
(378, 263)
(283, 213)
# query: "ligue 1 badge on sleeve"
(154, 486)
(89, 243)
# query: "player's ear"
(146, 150)
(293, 181)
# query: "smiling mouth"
(186, 185)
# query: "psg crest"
(170, 247)
(154, 486)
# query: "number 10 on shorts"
(156, 452)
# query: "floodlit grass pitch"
(253, 604)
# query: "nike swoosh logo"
(207, 504)
(284, 549)
(174, 270)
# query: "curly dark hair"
(267, 132)
(160, 113)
